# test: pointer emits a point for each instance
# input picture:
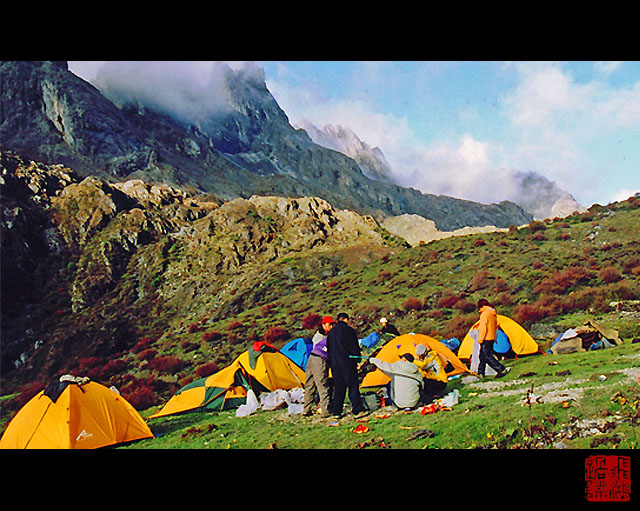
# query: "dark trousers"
(344, 380)
(431, 390)
(487, 356)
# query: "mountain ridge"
(56, 117)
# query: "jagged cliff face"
(104, 259)
(248, 148)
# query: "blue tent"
(453, 344)
(298, 351)
(502, 344)
(370, 340)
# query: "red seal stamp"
(607, 478)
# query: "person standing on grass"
(343, 354)
(487, 330)
(317, 371)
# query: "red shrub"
(147, 354)
(167, 364)
(311, 321)
(536, 225)
(459, 325)
(501, 285)
(464, 305)
(332, 283)
(610, 274)
(479, 243)
(211, 336)
(412, 303)
(140, 396)
(630, 264)
(142, 344)
(527, 314)
(207, 369)
(276, 334)
(113, 367)
(480, 280)
(561, 282)
(266, 310)
(193, 328)
(448, 301)
(235, 325)
(436, 314)
(564, 236)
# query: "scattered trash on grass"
(362, 429)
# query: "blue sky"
(451, 127)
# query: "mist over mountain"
(217, 130)
(372, 161)
(530, 190)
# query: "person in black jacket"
(343, 352)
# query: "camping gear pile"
(590, 336)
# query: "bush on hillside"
(211, 336)
(207, 369)
(459, 325)
(167, 364)
(563, 281)
(448, 301)
(311, 321)
(276, 334)
(528, 314)
(610, 274)
(412, 303)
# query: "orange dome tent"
(398, 346)
(74, 413)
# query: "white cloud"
(623, 195)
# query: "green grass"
(490, 413)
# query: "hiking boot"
(360, 414)
(503, 373)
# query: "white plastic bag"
(273, 400)
(451, 399)
(295, 408)
(250, 406)
(297, 395)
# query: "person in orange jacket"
(487, 330)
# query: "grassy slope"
(516, 262)
(413, 286)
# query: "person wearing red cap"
(317, 371)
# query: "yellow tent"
(398, 346)
(74, 413)
(261, 371)
(521, 342)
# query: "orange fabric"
(85, 416)
(488, 324)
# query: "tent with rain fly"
(261, 371)
(74, 413)
(511, 336)
(298, 351)
(398, 346)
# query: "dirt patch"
(554, 392)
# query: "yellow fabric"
(83, 417)
(521, 342)
(407, 343)
(273, 371)
(432, 355)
